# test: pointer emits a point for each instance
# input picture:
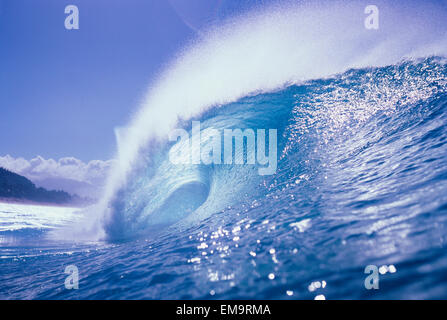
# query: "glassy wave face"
(361, 180)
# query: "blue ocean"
(361, 180)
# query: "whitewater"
(361, 177)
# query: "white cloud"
(68, 174)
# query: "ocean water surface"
(361, 179)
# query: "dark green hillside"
(15, 186)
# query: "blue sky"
(63, 91)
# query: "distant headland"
(18, 189)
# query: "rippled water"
(361, 180)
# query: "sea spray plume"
(260, 52)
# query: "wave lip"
(264, 51)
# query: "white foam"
(24, 216)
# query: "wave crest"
(261, 52)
